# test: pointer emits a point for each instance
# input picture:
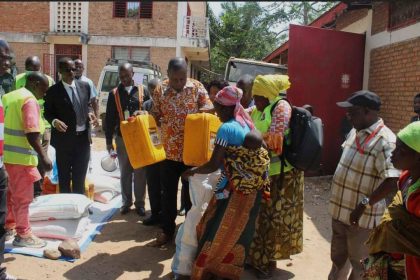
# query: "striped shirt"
(360, 172)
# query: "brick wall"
(96, 60)
(28, 17)
(23, 50)
(161, 57)
(395, 77)
(380, 17)
(350, 17)
(162, 24)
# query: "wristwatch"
(365, 202)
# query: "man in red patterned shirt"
(177, 97)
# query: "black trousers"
(3, 212)
(154, 188)
(170, 173)
(72, 163)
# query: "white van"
(109, 79)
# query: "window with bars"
(134, 9)
(403, 13)
(131, 53)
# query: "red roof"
(325, 18)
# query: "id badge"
(126, 114)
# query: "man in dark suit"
(67, 109)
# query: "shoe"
(10, 234)
(160, 240)
(181, 212)
(31, 242)
(124, 210)
(151, 221)
(141, 211)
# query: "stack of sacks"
(60, 216)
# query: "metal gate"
(50, 61)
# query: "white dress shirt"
(70, 94)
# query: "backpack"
(303, 146)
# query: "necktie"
(80, 116)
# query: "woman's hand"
(188, 173)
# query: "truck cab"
(109, 79)
(237, 67)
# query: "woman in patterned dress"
(279, 229)
(227, 227)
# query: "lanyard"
(360, 148)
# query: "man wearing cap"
(363, 178)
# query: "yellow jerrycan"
(142, 141)
(199, 135)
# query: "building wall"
(161, 57)
(350, 17)
(380, 17)
(162, 23)
(395, 77)
(23, 50)
(29, 17)
(97, 57)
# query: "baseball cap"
(363, 98)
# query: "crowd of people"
(255, 216)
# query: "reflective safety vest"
(17, 149)
(262, 122)
(20, 83)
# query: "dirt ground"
(120, 251)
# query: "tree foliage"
(241, 31)
(252, 31)
(282, 13)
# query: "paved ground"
(119, 252)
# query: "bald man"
(131, 100)
(23, 127)
(33, 64)
(178, 97)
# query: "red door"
(325, 67)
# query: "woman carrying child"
(227, 227)
(279, 230)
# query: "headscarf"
(410, 135)
(270, 86)
(231, 96)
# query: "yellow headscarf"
(270, 86)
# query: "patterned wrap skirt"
(279, 228)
